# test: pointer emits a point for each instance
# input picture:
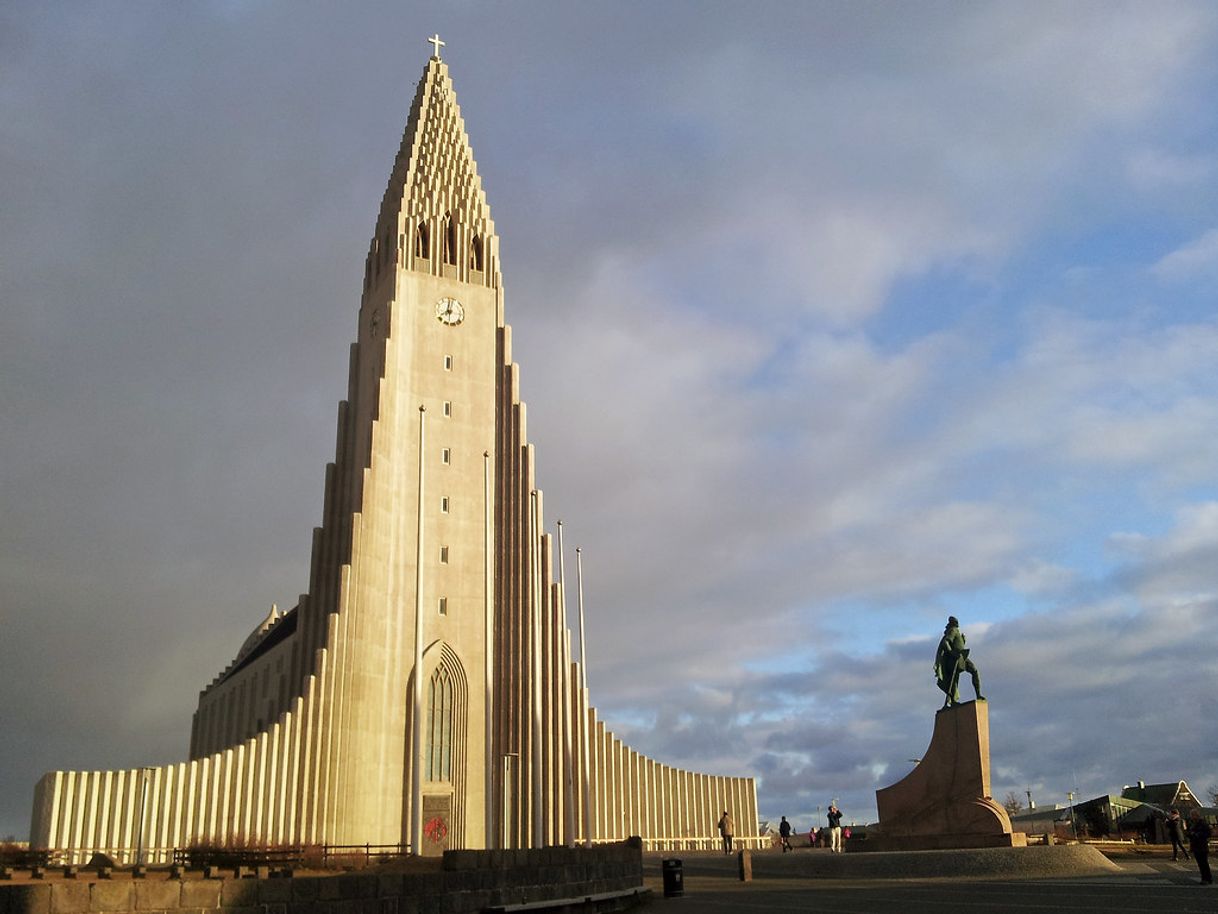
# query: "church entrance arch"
(446, 726)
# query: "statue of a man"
(951, 659)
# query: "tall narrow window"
(440, 725)
(448, 363)
(446, 455)
(444, 606)
(448, 408)
(443, 504)
(422, 242)
(450, 240)
(475, 253)
(443, 555)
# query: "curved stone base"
(941, 842)
(945, 801)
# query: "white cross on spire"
(437, 44)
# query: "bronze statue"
(951, 659)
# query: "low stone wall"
(468, 881)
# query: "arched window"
(475, 253)
(450, 240)
(440, 725)
(422, 242)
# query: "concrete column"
(291, 820)
(91, 787)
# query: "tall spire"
(435, 185)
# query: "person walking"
(1176, 833)
(726, 831)
(1199, 840)
(835, 829)
(784, 832)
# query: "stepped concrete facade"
(423, 690)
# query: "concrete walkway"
(1150, 885)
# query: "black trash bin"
(673, 886)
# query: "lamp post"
(1073, 827)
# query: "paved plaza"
(1143, 883)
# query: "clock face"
(450, 311)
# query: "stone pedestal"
(945, 801)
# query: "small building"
(1041, 820)
(1100, 817)
(1165, 796)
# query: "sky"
(833, 318)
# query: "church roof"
(261, 641)
(1173, 793)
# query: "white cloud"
(1180, 568)
(732, 415)
(1057, 681)
(839, 181)
(1037, 577)
(1151, 169)
(1198, 258)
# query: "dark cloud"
(759, 403)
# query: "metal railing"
(686, 843)
(320, 856)
(80, 856)
(315, 856)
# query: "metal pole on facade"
(488, 578)
(568, 717)
(509, 773)
(416, 726)
(585, 762)
(535, 645)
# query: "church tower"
(402, 566)
(422, 691)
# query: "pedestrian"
(835, 829)
(784, 832)
(1199, 840)
(1176, 833)
(726, 831)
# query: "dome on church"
(259, 631)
